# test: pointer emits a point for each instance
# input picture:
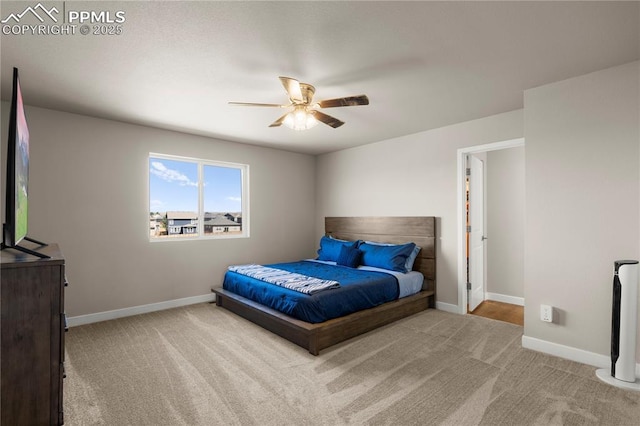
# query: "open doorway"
(482, 271)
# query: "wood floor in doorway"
(500, 311)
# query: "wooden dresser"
(33, 327)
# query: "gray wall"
(505, 222)
(582, 199)
(89, 193)
(415, 175)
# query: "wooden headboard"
(395, 230)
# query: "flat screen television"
(15, 227)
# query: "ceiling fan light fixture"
(300, 119)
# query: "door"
(476, 236)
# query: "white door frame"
(462, 224)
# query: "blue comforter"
(358, 290)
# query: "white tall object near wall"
(624, 327)
(625, 367)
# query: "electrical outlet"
(546, 313)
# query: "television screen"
(22, 169)
(17, 183)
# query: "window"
(192, 198)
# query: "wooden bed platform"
(315, 337)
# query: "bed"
(315, 336)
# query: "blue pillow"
(410, 260)
(349, 256)
(330, 248)
(393, 258)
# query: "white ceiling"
(423, 65)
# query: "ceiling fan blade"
(342, 102)
(258, 104)
(279, 121)
(292, 86)
(327, 119)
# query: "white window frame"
(201, 163)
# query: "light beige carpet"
(202, 365)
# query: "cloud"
(169, 175)
(156, 204)
(237, 199)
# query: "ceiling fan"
(304, 112)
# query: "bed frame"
(315, 337)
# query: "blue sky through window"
(222, 189)
(173, 186)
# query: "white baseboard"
(136, 310)
(570, 353)
(504, 298)
(447, 307)
(454, 309)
